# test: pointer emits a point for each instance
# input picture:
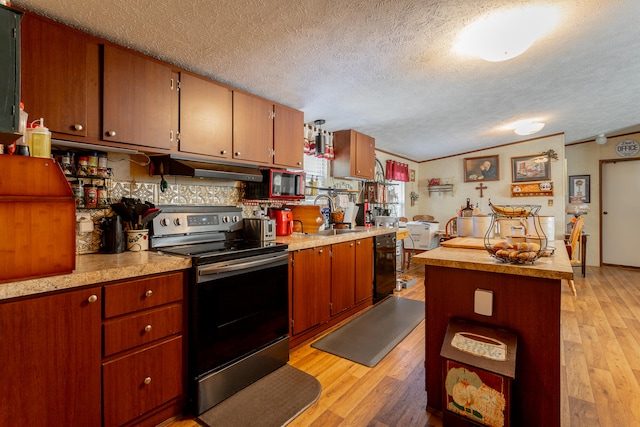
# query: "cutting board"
(310, 216)
(464, 243)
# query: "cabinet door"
(252, 128)
(137, 98)
(365, 156)
(54, 75)
(311, 291)
(9, 70)
(364, 269)
(342, 277)
(288, 142)
(205, 117)
(50, 360)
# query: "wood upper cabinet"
(311, 289)
(50, 360)
(364, 269)
(55, 81)
(252, 128)
(288, 142)
(355, 155)
(206, 120)
(267, 133)
(138, 94)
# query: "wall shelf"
(445, 188)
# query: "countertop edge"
(299, 241)
(94, 269)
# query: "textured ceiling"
(386, 67)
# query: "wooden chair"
(423, 218)
(450, 229)
(572, 249)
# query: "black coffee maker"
(112, 235)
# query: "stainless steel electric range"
(237, 299)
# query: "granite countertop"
(93, 269)
(557, 266)
(298, 241)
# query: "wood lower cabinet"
(328, 284)
(138, 94)
(355, 155)
(206, 117)
(143, 370)
(364, 270)
(50, 360)
(311, 288)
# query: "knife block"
(37, 219)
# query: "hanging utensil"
(163, 183)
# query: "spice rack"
(89, 178)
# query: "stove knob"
(164, 222)
(235, 218)
(225, 219)
(177, 221)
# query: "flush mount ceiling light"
(601, 139)
(507, 33)
(526, 127)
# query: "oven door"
(237, 307)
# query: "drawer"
(137, 329)
(136, 295)
(140, 382)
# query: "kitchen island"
(525, 299)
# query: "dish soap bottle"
(40, 140)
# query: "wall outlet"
(483, 302)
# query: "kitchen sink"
(336, 232)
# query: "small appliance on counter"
(113, 240)
(284, 220)
(387, 221)
(260, 229)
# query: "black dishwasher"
(384, 266)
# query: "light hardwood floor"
(600, 364)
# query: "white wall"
(584, 159)
(443, 206)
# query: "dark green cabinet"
(9, 69)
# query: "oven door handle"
(228, 267)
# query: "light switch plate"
(483, 302)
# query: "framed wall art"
(486, 168)
(580, 186)
(530, 168)
(412, 175)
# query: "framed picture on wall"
(580, 186)
(412, 175)
(486, 168)
(530, 168)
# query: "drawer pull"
(148, 293)
(77, 127)
(147, 380)
(147, 328)
(92, 298)
(111, 133)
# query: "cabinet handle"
(171, 84)
(92, 298)
(148, 293)
(223, 152)
(320, 251)
(111, 133)
(170, 135)
(77, 127)
(358, 242)
(147, 380)
(237, 153)
(299, 163)
(351, 245)
(147, 328)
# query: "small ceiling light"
(508, 33)
(601, 139)
(527, 127)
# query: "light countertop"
(557, 266)
(98, 268)
(298, 241)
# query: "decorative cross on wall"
(481, 187)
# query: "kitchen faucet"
(325, 197)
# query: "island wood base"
(530, 306)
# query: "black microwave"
(277, 184)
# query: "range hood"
(197, 168)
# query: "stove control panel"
(180, 223)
